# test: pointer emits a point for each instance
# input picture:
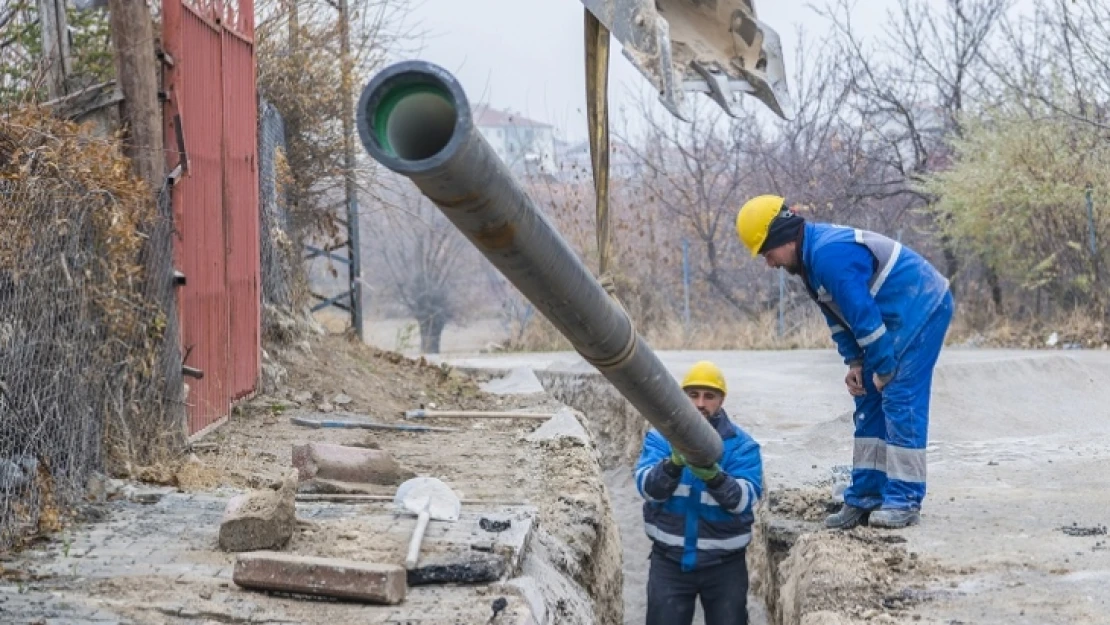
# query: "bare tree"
(515, 312)
(430, 267)
(303, 59)
(817, 159)
(695, 173)
(1057, 58)
(910, 89)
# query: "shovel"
(428, 498)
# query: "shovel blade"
(428, 494)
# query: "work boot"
(890, 518)
(847, 518)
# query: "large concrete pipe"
(414, 118)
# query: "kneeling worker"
(700, 519)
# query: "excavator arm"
(717, 47)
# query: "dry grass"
(803, 331)
(81, 327)
(1078, 328)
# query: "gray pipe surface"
(415, 119)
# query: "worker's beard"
(794, 267)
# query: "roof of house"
(485, 115)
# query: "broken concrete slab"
(513, 539)
(458, 568)
(261, 519)
(519, 381)
(318, 486)
(528, 588)
(347, 464)
(147, 497)
(329, 577)
(564, 425)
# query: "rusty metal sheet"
(241, 210)
(211, 129)
(203, 300)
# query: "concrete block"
(519, 381)
(347, 464)
(317, 486)
(529, 588)
(261, 519)
(328, 577)
(563, 425)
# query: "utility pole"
(353, 250)
(136, 69)
(55, 46)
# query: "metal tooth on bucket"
(717, 47)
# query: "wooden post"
(138, 76)
(354, 249)
(55, 46)
(137, 69)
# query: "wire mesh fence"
(280, 256)
(87, 379)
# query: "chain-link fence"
(88, 380)
(280, 256)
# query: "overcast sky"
(527, 55)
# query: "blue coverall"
(888, 310)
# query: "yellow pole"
(597, 113)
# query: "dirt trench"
(800, 573)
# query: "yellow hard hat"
(753, 222)
(705, 374)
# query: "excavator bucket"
(717, 47)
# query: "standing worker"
(888, 310)
(700, 520)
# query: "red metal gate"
(211, 132)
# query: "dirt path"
(158, 562)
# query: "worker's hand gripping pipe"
(414, 118)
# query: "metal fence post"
(686, 282)
(1092, 238)
(354, 251)
(1091, 220)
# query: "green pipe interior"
(415, 122)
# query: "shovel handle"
(417, 538)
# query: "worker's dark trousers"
(723, 590)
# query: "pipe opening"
(415, 122)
